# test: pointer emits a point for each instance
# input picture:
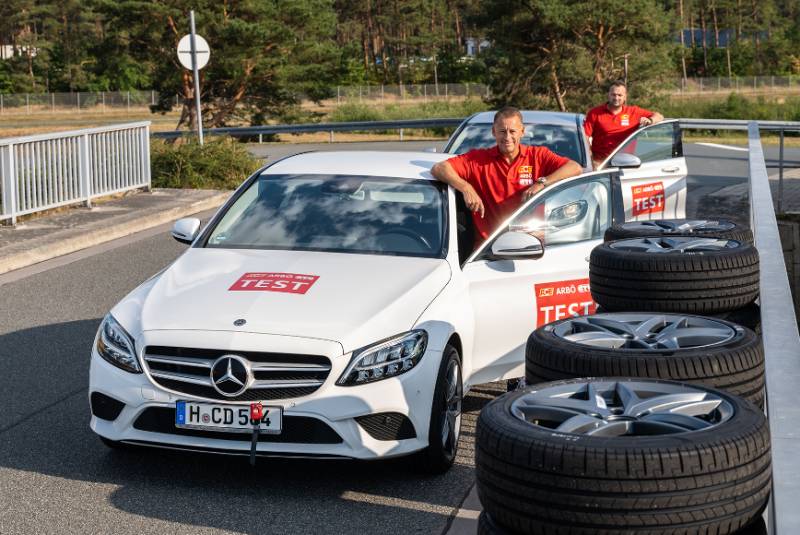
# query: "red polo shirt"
(500, 185)
(608, 130)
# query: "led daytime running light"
(385, 359)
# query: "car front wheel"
(445, 424)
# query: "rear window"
(562, 140)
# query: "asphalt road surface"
(57, 477)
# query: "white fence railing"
(51, 170)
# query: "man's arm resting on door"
(569, 169)
(444, 172)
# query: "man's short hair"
(508, 112)
(618, 83)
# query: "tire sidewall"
(449, 355)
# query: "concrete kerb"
(41, 252)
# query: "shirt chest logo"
(625, 119)
(525, 175)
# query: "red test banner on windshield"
(290, 283)
(648, 198)
(557, 300)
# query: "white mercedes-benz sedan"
(344, 293)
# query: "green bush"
(222, 163)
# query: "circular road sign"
(185, 51)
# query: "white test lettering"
(246, 282)
(546, 313)
(560, 311)
(297, 285)
(280, 284)
(586, 307)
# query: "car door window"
(576, 211)
(653, 143)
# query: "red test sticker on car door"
(291, 283)
(648, 198)
(557, 300)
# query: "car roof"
(360, 163)
(536, 117)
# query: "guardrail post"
(146, 158)
(8, 185)
(104, 101)
(780, 177)
(129, 102)
(84, 177)
(401, 134)
(331, 136)
(28, 102)
(260, 138)
(2, 110)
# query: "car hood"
(352, 299)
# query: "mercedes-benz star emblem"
(230, 375)
(239, 323)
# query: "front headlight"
(116, 346)
(385, 359)
(568, 214)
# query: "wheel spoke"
(445, 430)
(698, 408)
(664, 403)
(690, 423)
(581, 406)
(597, 339)
(648, 326)
(579, 424)
(627, 397)
(611, 429)
(693, 336)
(533, 414)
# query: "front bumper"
(322, 424)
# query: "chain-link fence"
(752, 85)
(138, 102)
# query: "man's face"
(616, 96)
(508, 131)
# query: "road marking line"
(388, 501)
(716, 146)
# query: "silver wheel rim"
(644, 332)
(674, 245)
(631, 408)
(678, 226)
(451, 412)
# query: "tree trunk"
(458, 34)
(728, 47)
(758, 52)
(556, 86)
(703, 28)
(683, 44)
(716, 28)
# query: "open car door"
(512, 297)
(656, 189)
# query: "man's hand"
(653, 119)
(644, 121)
(473, 201)
(531, 191)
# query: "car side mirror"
(186, 230)
(517, 246)
(429, 149)
(626, 161)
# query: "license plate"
(226, 418)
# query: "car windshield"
(336, 213)
(563, 140)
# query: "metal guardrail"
(781, 348)
(316, 127)
(51, 170)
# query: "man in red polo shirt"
(608, 125)
(496, 181)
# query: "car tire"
(749, 316)
(734, 363)
(533, 479)
(445, 423)
(673, 227)
(116, 445)
(660, 275)
(487, 526)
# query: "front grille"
(276, 375)
(387, 426)
(105, 407)
(296, 429)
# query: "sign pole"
(196, 83)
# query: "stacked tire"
(620, 469)
(610, 436)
